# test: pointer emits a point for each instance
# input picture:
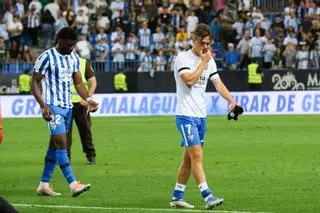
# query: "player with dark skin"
(64, 47)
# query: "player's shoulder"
(183, 55)
(44, 54)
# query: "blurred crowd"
(146, 35)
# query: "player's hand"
(232, 105)
(84, 103)
(92, 105)
(206, 56)
(46, 113)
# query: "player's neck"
(195, 52)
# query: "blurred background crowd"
(146, 35)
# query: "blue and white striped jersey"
(57, 70)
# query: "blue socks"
(178, 192)
(205, 191)
(49, 164)
(64, 163)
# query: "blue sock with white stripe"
(178, 192)
(205, 191)
(49, 164)
(64, 163)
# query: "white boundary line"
(124, 208)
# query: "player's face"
(202, 45)
(66, 46)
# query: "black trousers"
(83, 122)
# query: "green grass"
(260, 163)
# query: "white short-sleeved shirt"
(191, 100)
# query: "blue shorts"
(61, 120)
(192, 130)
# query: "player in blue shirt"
(55, 69)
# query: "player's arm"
(82, 91)
(40, 69)
(191, 78)
(224, 92)
(89, 75)
(36, 91)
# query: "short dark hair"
(202, 31)
(67, 33)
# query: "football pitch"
(258, 164)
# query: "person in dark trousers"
(81, 114)
(6, 207)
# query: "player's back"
(57, 70)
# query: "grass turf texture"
(259, 163)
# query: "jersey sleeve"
(42, 64)
(181, 65)
(213, 71)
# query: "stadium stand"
(146, 35)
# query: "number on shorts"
(56, 119)
(188, 126)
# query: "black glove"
(238, 110)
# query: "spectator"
(231, 58)
(302, 57)
(59, 24)
(118, 54)
(19, 9)
(277, 59)
(160, 61)
(48, 23)
(15, 29)
(257, 15)
(215, 27)
(243, 48)
(144, 34)
(116, 6)
(289, 55)
(83, 47)
(238, 26)
(315, 56)
(146, 63)
(158, 39)
(292, 22)
(82, 21)
(83, 7)
(229, 35)
(2, 51)
(53, 8)
(117, 34)
(27, 56)
(290, 39)
(256, 47)
(37, 4)
(103, 22)
(8, 15)
(269, 50)
(14, 53)
(33, 25)
(102, 54)
(4, 33)
(131, 50)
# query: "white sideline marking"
(128, 208)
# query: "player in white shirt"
(192, 70)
